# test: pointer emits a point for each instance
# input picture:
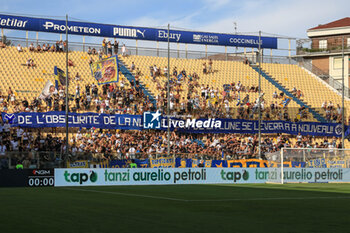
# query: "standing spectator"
(104, 46)
(109, 48)
(9, 93)
(115, 45)
(165, 70)
(77, 91)
(87, 89)
(3, 159)
(204, 68)
(123, 50)
(132, 66)
(100, 53)
(210, 67)
(7, 127)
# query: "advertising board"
(130, 32)
(167, 176)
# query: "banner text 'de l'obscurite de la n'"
(135, 122)
(137, 33)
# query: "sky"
(284, 18)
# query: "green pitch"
(177, 208)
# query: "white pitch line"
(271, 199)
(213, 200)
(127, 194)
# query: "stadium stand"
(314, 91)
(27, 82)
(224, 73)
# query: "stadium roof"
(344, 22)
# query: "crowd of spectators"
(233, 100)
(129, 144)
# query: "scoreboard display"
(27, 177)
(40, 178)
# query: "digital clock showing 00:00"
(41, 181)
(41, 178)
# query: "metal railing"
(323, 75)
(157, 52)
(51, 159)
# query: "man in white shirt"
(123, 50)
(3, 149)
(1, 127)
(3, 159)
(19, 48)
(14, 145)
(7, 127)
(132, 152)
(19, 132)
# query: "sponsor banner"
(135, 122)
(105, 71)
(78, 164)
(162, 162)
(247, 163)
(123, 163)
(159, 176)
(326, 163)
(244, 163)
(137, 33)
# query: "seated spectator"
(46, 47)
(31, 47)
(19, 48)
(38, 48)
(70, 62)
(30, 63)
(60, 46)
(246, 61)
(77, 77)
(274, 95)
(52, 48)
(299, 94)
(2, 45)
(89, 51)
(132, 66)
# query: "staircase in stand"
(126, 72)
(287, 92)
